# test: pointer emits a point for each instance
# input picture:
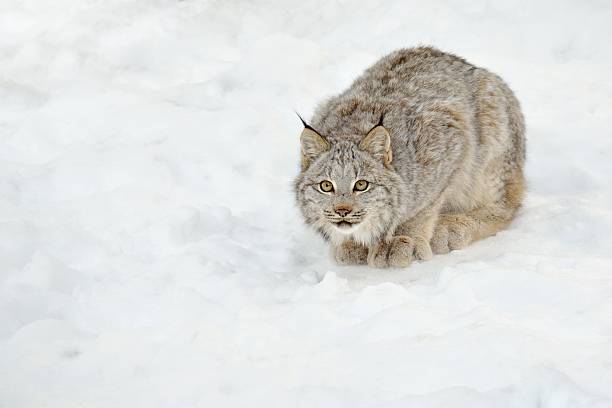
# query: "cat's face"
(348, 190)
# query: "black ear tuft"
(306, 125)
(380, 122)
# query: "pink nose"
(342, 211)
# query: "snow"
(151, 253)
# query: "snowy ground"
(151, 254)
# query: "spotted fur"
(444, 167)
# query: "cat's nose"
(343, 211)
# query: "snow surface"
(151, 254)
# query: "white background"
(151, 254)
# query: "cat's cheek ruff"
(366, 233)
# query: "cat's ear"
(378, 143)
(313, 145)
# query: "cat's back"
(422, 72)
(402, 83)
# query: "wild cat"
(422, 154)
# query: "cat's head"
(348, 188)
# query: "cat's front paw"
(397, 253)
(422, 250)
(350, 253)
(452, 232)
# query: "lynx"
(423, 154)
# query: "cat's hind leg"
(457, 230)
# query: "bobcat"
(423, 154)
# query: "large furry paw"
(350, 253)
(422, 249)
(399, 252)
(454, 231)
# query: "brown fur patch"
(515, 189)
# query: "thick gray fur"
(444, 169)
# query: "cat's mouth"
(345, 225)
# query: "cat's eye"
(326, 186)
(361, 185)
